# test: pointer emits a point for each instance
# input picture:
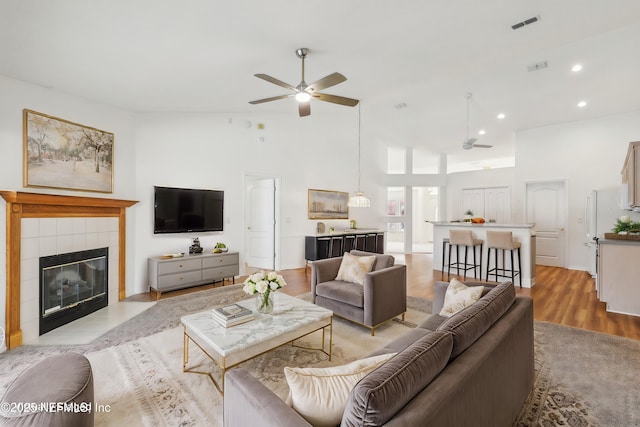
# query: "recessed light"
(482, 132)
(501, 116)
(582, 104)
(576, 68)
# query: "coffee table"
(293, 318)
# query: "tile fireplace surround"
(44, 224)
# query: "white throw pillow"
(353, 268)
(320, 395)
(459, 296)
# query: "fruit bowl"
(220, 250)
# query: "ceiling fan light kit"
(303, 93)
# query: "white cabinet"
(168, 274)
(631, 173)
(492, 203)
(618, 270)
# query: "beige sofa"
(475, 368)
(381, 297)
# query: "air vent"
(537, 66)
(525, 22)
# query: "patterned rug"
(582, 378)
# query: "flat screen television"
(187, 210)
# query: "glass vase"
(264, 302)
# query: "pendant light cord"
(359, 132)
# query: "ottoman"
(57, 391)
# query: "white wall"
(216, 151)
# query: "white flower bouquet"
(263, 284)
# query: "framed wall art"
(326, 204)
(66, 155)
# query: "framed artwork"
(61, 154)
(326, 204)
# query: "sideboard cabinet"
(169, 274)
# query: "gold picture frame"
(61, 154)
(328, 204)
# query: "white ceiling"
(200, 56)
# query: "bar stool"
(349, 243)
(464, 238)
(503, 240)
(360, 241)
(370, 242)
(335, 246)
(323, 247)
(445, 245)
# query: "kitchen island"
(617, 277)
(522, 233)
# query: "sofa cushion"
(353, 268)
(320, 394)
(382, 393)
(347, 292)
(382, 260)
(459, 296)
(469, 324)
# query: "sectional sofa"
(475, 368)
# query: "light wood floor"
(562, 296)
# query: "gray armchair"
(382, 296)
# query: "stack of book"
(231, 315)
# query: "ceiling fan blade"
(273, 98)
(482, 145)
(304, 109)
(275, 81)
(328, 81)
(349, 102)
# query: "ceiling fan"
(470, 143)
(304, 92)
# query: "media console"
(170, 274)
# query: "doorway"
(261, 244)
(547, 208)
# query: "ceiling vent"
(526, 22)
(537, 66)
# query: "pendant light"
(359, 200)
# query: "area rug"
(582, 378)
(142, 383)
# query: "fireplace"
(72, 285)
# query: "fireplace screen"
(72, 285)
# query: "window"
(395, 201)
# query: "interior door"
(260, 221)
(547, 208)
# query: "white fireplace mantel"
(21, 205)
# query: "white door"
(547, 208)
(497, 205)
(473, 200)
(260, 221)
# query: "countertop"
(618, 242)
(484, 225)
(349, 232)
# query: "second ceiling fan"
(304, 92)
(470, 143)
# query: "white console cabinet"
(169, 274)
